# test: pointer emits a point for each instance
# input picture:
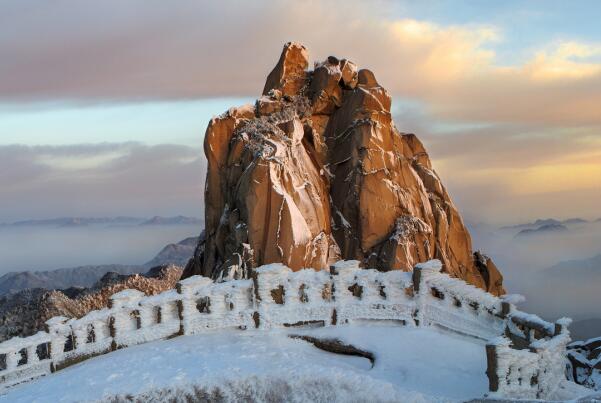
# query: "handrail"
(278, 297)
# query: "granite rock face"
(316, 171)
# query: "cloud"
(527, 130)
(504, 173)
(113, 50)
(564, 62)
(101, 179)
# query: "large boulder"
(316, 171)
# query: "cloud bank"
(513, 139)
(101, 180)
(150, 49)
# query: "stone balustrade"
(522, 350)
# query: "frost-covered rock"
(315, 172)
(585, 362)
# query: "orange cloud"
(153, 51)
(564, 62)
(454, 70)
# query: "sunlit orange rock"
(316, 171)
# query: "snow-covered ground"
(412, 365)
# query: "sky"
(103, 105)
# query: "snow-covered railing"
(456, 305)
(347, 293)
(585, 362)
(533, 372)
(207, 305)
(525, 354)
(24, 358)
(278, 297)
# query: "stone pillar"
(421, 273)
(561, 325)
(58, 329)
(12, 359)
(186, 305)
(125, 298)
(491, 367)
(122, 304)
(269, 278)
(32, 356)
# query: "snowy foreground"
(412, 365)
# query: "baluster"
(32, 356)
(12, 358)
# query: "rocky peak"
(316, 171)
(290, 73)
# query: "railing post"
(492, 362)
(186, 304)
(32, 357)
(270, 284)
(118, 303)
(561, 325)
(57, 328)
(12, 359)
(491, 368)
(421, 273)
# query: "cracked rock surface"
(316, 171)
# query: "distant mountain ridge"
(547, 228)
(547, 221)
(86, 276)
(174, 253)
(177, 220)
(109, 221)
(82, 276)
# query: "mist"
(525, 262)
(39, 248)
